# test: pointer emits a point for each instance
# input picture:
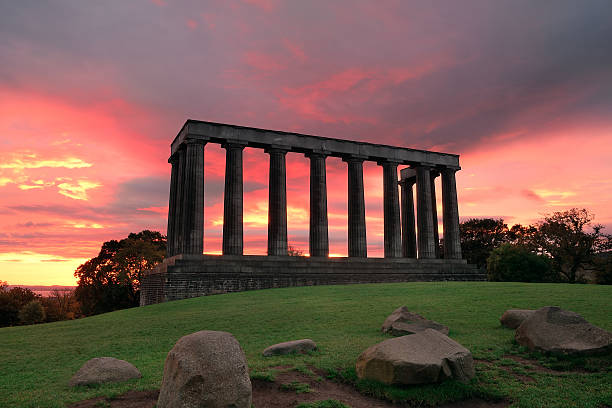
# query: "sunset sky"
(93, 92)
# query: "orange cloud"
(30, 161)
(78, 190)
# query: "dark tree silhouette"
(12, 301)
(111, 280)
(480, 236)
(564, 236)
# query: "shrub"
(12, 301)
(603, 269)
(32, 313)
(513, 263)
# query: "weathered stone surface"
(206, 369)
(295, 346)
(403, 322)
(513, 318)
(102, 370)
(191, 276)
(552, 329)
(425, 357)
(405, 329)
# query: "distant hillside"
(44, 290)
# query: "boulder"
(554, 330)
(513, 318)
(405, 329)
(206, 369)
(425, 357)
(403, 322)
(295, 346)
(102, 370)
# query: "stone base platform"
(186, 276)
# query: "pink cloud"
(263, 62)
(192, 24)
(296, 50)
(267, 5)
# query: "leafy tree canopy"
(12, 301)
(111, 280)
(515, 263)
(480, 236)
(571, 239)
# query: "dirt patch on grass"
(288, 390)
(131, 399)
(292, 387)
(523, 378)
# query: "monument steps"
(185, 276)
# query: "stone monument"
(410, 238)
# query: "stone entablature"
(186, 204)
(300, 143)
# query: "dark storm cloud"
(439, 73)
(140, 193)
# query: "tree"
(60, 305)
(603, 268)
(32, 313)
(515, 263)
(523, 236)
(11, 302)
(294, 251)
(563, 236)
(111, 280)
(480, 236)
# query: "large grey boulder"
(102, 370)
(295, 346)
(513, 318)
(403, 322)
(206, 369)
(552, 329)
(425, 357)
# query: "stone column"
(434, 212)
(173, 160)
(409, 245)
(393, 244)
(450, 215)
(425, 238)
(318, 238)
(357, 242)
(193, 195)
(232, 201)
(277, 202)
(180, 199)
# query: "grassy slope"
(37, 361)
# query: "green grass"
(298, 387)
(37, 361)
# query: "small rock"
(513, 318)
(552, 329)
(102, 370)
(297, 346)
(206, 369)
(425, 357)
(403, 322)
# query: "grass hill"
(37, 361)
